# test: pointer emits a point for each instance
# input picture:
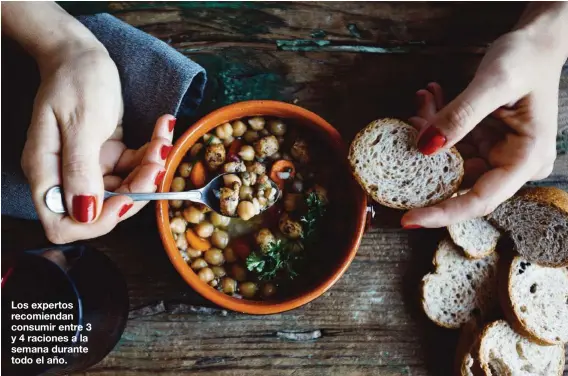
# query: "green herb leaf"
(276, 257)
(316, 210)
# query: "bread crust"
(381, 122)
(485, 365)
(506, 272)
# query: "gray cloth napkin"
(156, 79)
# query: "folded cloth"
(155, 78)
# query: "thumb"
(81, 173)
(460, 116)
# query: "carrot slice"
(241, 247)
(281, 166)
(198, 175)
(196, 242)
(234, 148)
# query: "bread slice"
(477, 237)
(537, 220)
(389, 167)
(460, 288)
(502, 351)
(466, 362)
(535, 300)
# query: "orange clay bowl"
(349, 226)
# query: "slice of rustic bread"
(460, 288)
(537, 220)
(477, 237)
(535, 301)
(466, 362)
(502, 351)
(387, 164)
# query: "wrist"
(545, 26)
(69, 40)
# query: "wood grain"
(370, 322)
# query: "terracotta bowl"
(348, 226)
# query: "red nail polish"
(411, 227)
(124, 209)
(431, 141)
(159, 177)
(164, 151)
(84, 208)
(172, 124)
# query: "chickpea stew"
(261, 254)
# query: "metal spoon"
(209, 195)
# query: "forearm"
(45, 30)
(547, 24)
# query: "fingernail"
(159, 177)
(164, 151)
(411, 227)
(172, 124)
(84, 208)
(124, 209)
(419, 98)
(431, 141)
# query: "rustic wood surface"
(351, 63)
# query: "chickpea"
(256, 205)
(266, 146)
(219, 220)
(198, 264)
(268, 290)
(230, 179)
(224, 130)
(248, 289)
(263, 180)
(184, 169)
(214, 256)
(204, 229)
(193, 215)
(181, 242)
(256, 123)
(206, 275)
(194, 253)
(214, 282)
(177, 225)
(220, 238)
(238, 272)
(195, 150)
(178, 184)
(249, 178)
(264, 238)
(276, 156)
(277, 127)
(251, 137)
(229, 254)
(219, 271)
(245, 193)
(234, 167)
(257, 167)
(228, 285)
(246, 210)
(211, 139)
(263, 202)
(290, 228)
(176, 204)
(247, 153)
(300, 151)
(239, 128)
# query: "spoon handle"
(187, 195)
(54, 197)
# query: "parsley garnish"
(277, 257)
(316, 210)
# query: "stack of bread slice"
(511, 302)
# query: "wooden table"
(351, 63)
